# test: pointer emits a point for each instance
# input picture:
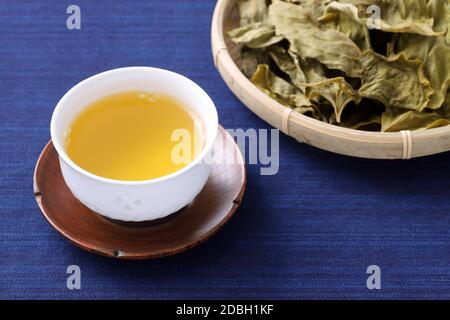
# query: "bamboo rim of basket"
(221, 55)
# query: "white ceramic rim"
(62, 153)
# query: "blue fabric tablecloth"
(310, 231)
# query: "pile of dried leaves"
(332, 60)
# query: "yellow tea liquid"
(130, 136)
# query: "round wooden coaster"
(209, 211)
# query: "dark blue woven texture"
(309, 232)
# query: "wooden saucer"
(209, 211)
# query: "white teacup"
(135, 200)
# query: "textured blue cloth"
(309, 232)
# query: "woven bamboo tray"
(375, 145)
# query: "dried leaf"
(251, 11)
(331, 47)
(250, 59)
(256, 35)
(280, 90)
(367, 124)
(290, 64)
(400, 16)
(315, 8)
(339, 20)
(398, 83)
(336, 91)
(435, 54)
(394, 119)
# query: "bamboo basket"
(356, 143)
